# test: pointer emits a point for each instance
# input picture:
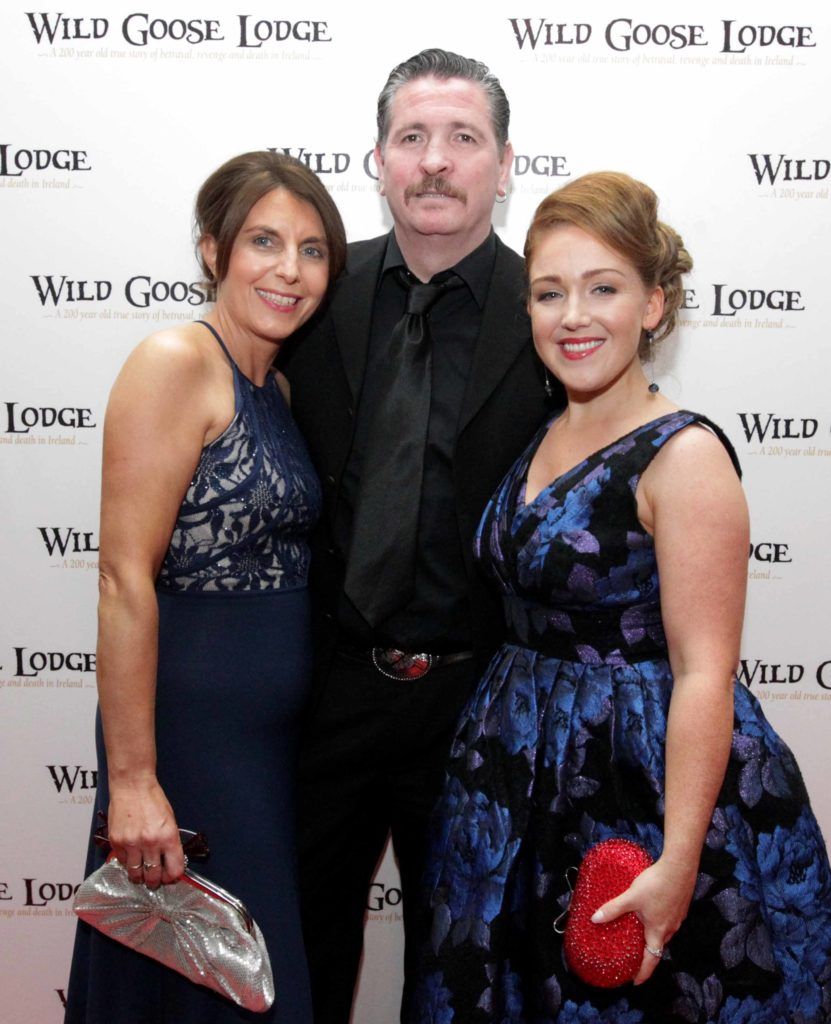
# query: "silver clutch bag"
(192, 926)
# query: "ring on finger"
(149, 867)
(133, 867)
(657, 953)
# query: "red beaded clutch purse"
(605, 955)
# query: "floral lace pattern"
(253, 499)
(563, 745)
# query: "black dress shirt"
(437, 618)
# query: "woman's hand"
(660, 897)
(143, 833)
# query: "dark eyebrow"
(261, 229)
(556, 279)
(419, 126)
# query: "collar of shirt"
(475, 269)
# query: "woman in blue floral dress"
(619, 542)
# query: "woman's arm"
(153, 435)
(691, 500)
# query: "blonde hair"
(623, 214)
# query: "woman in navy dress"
(619, 542)
(208, 496)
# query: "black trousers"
(372, 764)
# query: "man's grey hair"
(444, 64)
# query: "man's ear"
(506, 165)
(378, 153)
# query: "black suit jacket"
(504, 404)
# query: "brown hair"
(226, 198)
(623, 214)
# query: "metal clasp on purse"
(194, 844)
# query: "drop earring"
(549, 390)
(650, 344)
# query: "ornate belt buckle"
(395, 664)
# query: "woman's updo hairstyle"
(623, 214)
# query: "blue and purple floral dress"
(563, 745)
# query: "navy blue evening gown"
(562, 745)
(233, 673)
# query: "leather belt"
(397, 664)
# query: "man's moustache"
(435, 186)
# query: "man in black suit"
(404, 622)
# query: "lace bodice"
(253, 499)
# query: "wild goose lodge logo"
(728, 300)
(753, 672)
(143, 29)
(69, 777)
(624, 34)
(769, 168)
(16, 161)
(140, 291)
(17, 418)
(63, 540)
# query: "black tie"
(381, 566)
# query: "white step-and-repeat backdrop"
(114, 114)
